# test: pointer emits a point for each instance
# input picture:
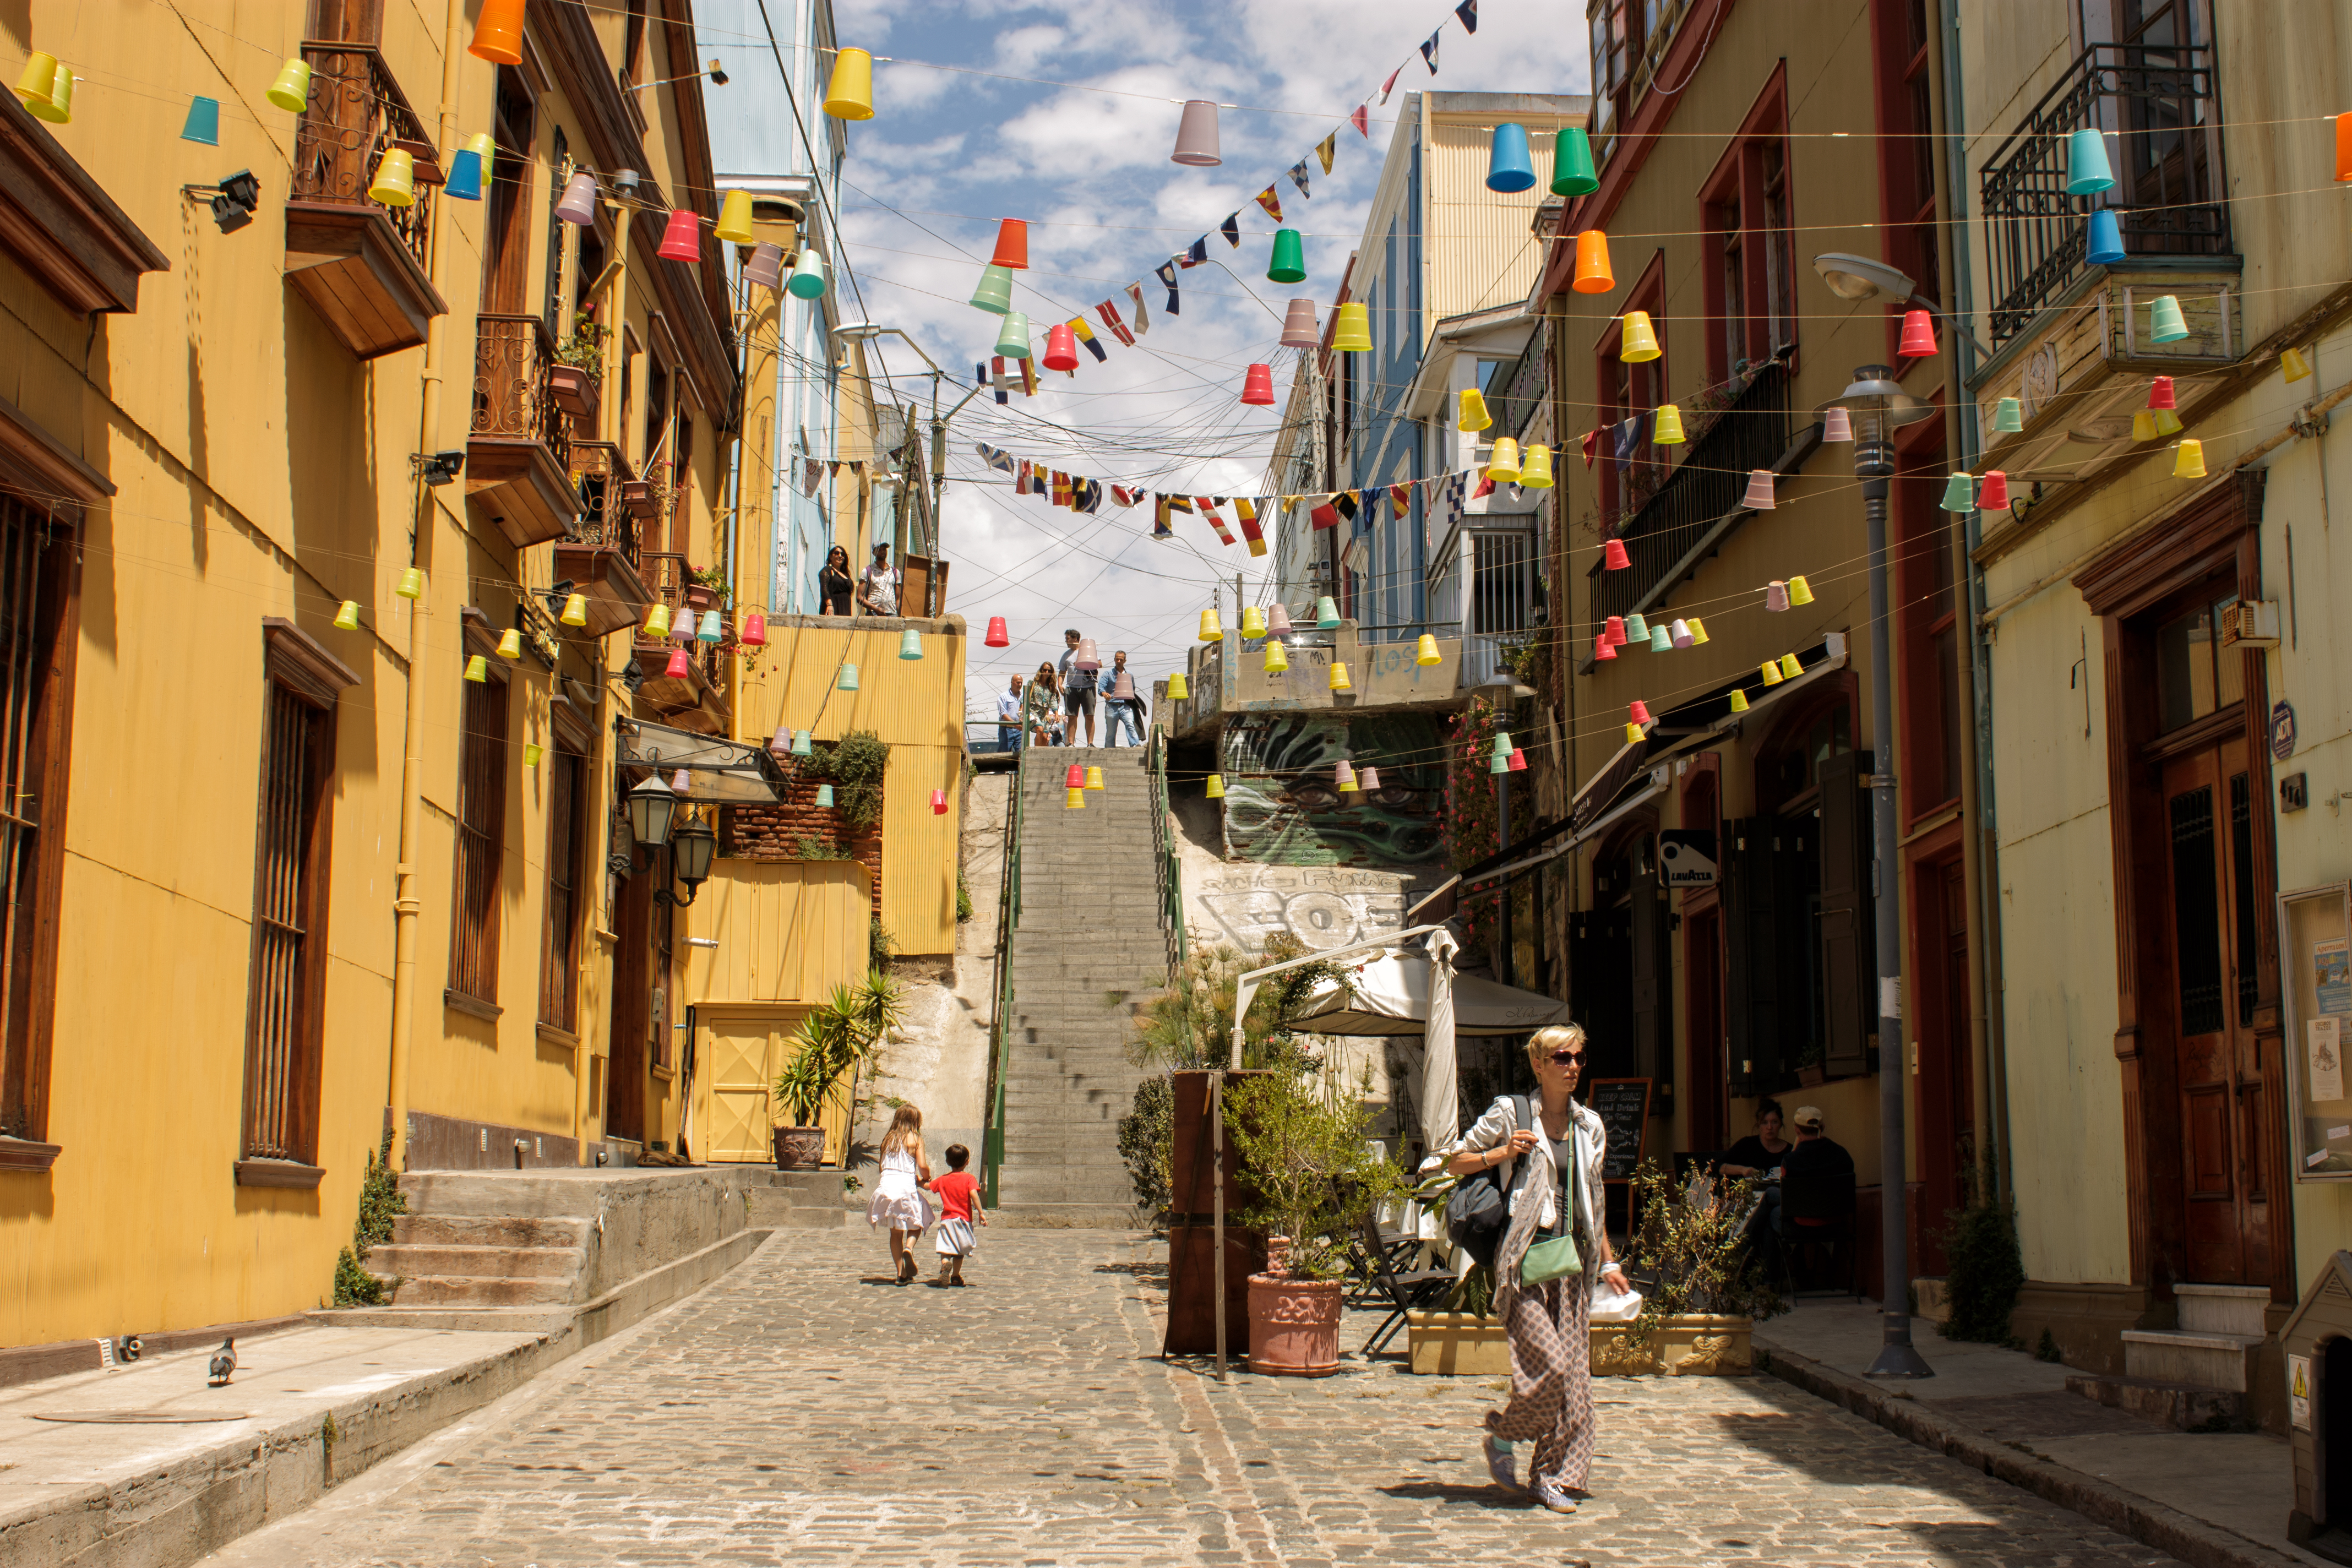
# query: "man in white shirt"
(1119, 708)
(877, 588)
(1008, 717)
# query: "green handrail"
(1172, 866)
(1008, 916)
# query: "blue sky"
(950, 151)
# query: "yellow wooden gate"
(746, 1047)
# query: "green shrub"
(963, 897)
(380, 1201)
(1303, 1139)
(1147, 1135)
(855, 765)
(1984, 1273)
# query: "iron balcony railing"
(356, 113)
(514, 397)
(602, 475)
(1705, 487)
(2159, 110)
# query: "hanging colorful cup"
(2189, 460)
(1837, 425)
(497, 33)
(1739, 699)
(202, 124)
(1760, 496)
(1799, 590)
(1592, 275)
(1196, 136)
(1603, 647)
(682, 239)
(291, 90)
(658, 621)
(680, 666)
(1257, 384)
(1640, 343)
(755, 629)
(1253, 621)
(2166, 324)
(734, 225)
(1613, 557)
(1775, 595)
(910, 644)
(347, 615)
(1474, 415)
(1213, 628)
(1289, 263)
(1012, 245)
(510, 643)
(1216, 788)
(1535, 468)
(847, 680)
(1919, 335)
(939, 803)
(1351, 334)
(1508, 167)
(1959, 493)
(2102, 239)
(1992, 493)
(1424, 652)
(1013, 341)
(1502, 467)
(2087, 170)
(824, 795)
(850, 94)
(994, 294)
(1789, 667)
(1179, 688)
(997, 636)
(808, 280)
(2008, 416)
(1572, 174)
(394, 184)
(1637, 629)
(1062, 349)
(1666, 430)
(578, 205)
(1299, 330)
(1277, 657)
(1340, 676)
(1326, 614)
(1698, 632)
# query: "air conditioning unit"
(2251, 623)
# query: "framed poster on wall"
(2315, 973)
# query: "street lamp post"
(1877, 406)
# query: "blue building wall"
(1396, 568)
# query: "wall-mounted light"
(437, 468)
(233, 200)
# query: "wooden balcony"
(363, 267)
(697, 700)
(518, 458)
(599, 553)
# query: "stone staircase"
(801, 1200)
(471, 1260)
(1089, 942)
(2198, 1375)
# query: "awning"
(718, 771)
(1390, 996)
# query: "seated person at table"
(1815, 1155)
(1761, 1150)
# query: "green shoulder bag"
(1557, 1258)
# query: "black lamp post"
(1877, 407)
(653, 818)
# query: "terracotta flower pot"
(1294, 1325)
(800, 1147)
(575, 388)
(637, 495)
(699, 598)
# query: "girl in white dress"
(898, 1199)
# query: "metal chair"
(1410, 1290)
(1817, 1209)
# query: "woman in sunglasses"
(1547, 1152)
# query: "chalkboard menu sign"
(1623, 1106)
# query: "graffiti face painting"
(1282, 807)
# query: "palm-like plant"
(841, 1036)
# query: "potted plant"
(840, 1035)
(637, 496)
(1812, 1070)
(577, 378)
(1302, 1140)
(1703, 1285)
(707, 588)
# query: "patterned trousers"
(1551, 1381)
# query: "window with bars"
(288, 973)
(559, 968)
(481, 833)
(36, 694)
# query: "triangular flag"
(1197, 255)
(1142, 317)
(1485, 487)
(1468, 12)
(1386, 87)
(1362, 119)
(1271, 202)
(1111, 318)
(1232, 229)
(1086, 335)
(1429, 52)
(1298, 178)
(1329, 145)
(1590, 444)
(1166, 273)
(1181, 503)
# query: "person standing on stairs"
(1008, 717)
(1078, 690)
(1038, 705)
(1119, 706)
(898, 1199)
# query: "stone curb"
(2192, 1541)
(197, 1503)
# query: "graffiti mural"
(1282, 807)
(1324, 908)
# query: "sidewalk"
(2217, 1500)
(147, 1460)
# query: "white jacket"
(1501, 1120)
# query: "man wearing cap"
(1815, 1153)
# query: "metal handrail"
(999, 1028)
(1170, 867)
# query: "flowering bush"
(1472, 830)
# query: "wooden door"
(2207, 809)
(625, 1080)
(1703, 992)
(1941, 1078)
(741, 1054)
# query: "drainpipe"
(1978, 865)
(405, 903)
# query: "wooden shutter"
(1756, 945)
(287, 973)
(481, 840)
(1597, 997)
(1849, 947)
(1652, 972)
(559, 967)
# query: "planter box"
(1691, 1346)
(576, 389)
(637, 496)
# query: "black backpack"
(1478, 1211)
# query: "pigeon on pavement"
(223, 1363)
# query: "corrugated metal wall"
(1481, 252)
(916, 706)
(787, 932)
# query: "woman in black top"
(1762, 1150)
(833, 584)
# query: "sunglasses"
(1561, 1058)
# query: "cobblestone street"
(804, 1410)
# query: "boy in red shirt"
(958, 1194)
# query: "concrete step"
(2223, 1308)
(2175, 1404)
(474, 1291)
(487, 1230)
(410, 1260)
(780, 1211)
(2215, 1361)
(1067, 1216)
